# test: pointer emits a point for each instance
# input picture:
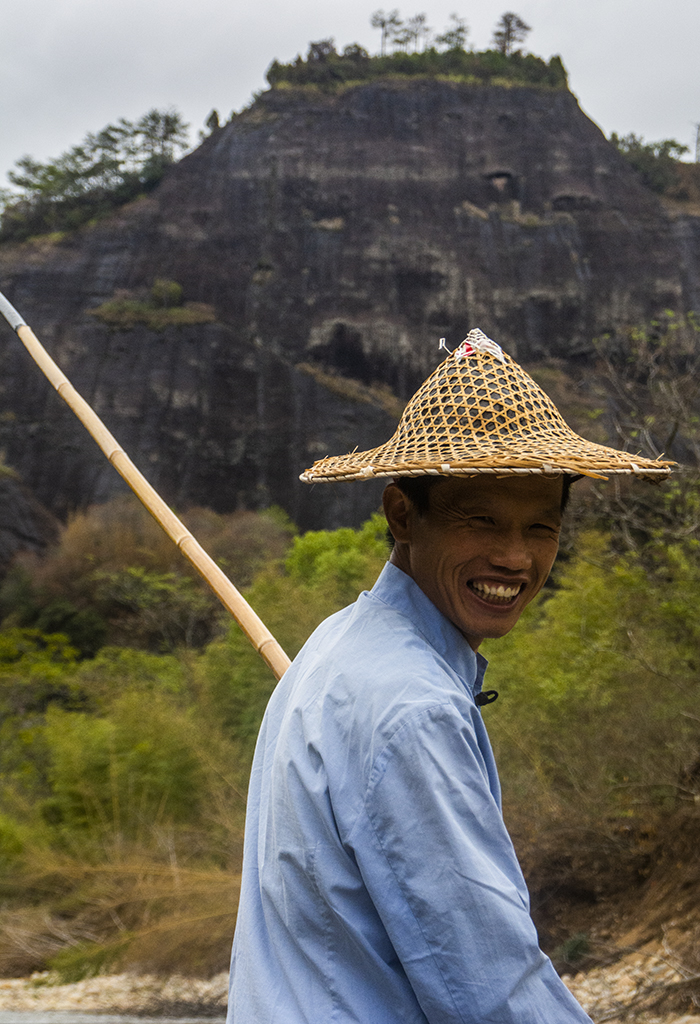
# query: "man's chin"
(486, 628)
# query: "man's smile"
(495, 593)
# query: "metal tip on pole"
(10, 313)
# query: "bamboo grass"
(262, 640)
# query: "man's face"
(483, 550)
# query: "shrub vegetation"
(325, 67)
(162, 307)
(658, 165)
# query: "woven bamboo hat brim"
(479, 412)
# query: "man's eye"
(546, 527)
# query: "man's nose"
(510, 551)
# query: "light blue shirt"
(379, 883)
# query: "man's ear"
(397, 509)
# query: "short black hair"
(417, 490)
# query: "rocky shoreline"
(136, 995)
(627, 989)
(635, 988)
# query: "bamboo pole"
(253, 627)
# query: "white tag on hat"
(476, 341)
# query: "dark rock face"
(337, 237)
(24, 524)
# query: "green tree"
(419, 31)
(402, 39)
(163, 610)
(388, 23)
(355, 53)
(511, 29)
(166, 293)
(212, 121)
(455, 36)
(163, 133)
(321, 51)
(108, 168)
(655, 161)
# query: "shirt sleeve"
(442, 872)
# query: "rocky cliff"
(330, 241)
(24, 524)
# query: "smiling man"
(379, 883)
(482, 549)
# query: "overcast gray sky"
(72, 66)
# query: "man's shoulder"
(373, 661)
(369, 633)
(368, 674)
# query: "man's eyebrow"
(473, 506)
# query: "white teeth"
(501, 592)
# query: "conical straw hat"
(479, 412)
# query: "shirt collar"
(396, 589)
